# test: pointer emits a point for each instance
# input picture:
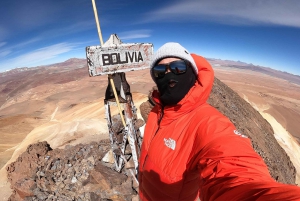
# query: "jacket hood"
(196, 96)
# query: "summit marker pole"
(109, 76)
(97, 22)
(115, 58)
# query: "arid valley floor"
(66, 107)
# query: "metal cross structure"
(114, 59)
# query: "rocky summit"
(78, 172)
(74, 173)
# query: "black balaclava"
(172, 95)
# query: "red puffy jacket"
(191, 150)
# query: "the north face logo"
(170, 143)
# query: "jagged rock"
(38, 149)
(112, 176)
(25, 187)
(117, 124)
(124, 188)
(75, 173)
(24, 169)
(41, 195)
(109, 157)
(130, 164)
(91, 160)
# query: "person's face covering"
(174, 78)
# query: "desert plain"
(62, 105)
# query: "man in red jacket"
(190, 149)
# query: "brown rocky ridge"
(77, 172)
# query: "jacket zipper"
(159, 120)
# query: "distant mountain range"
(265, 70)
(69, 64)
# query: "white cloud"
(127, 35)
(26, 43)
(55, 32)
(4, 53)
(45, 53)
(38, 56)
(15, 48)
(278, 12)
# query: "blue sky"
(262, 32)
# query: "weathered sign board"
(118, 58)
(115, 57)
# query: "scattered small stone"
(92, 160)
(135, 198)
(74, 180)
(41, 196)
(109, 157)
(53, 167)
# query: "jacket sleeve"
(230, 169)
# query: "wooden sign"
(118, 58)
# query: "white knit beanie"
(172, 49)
